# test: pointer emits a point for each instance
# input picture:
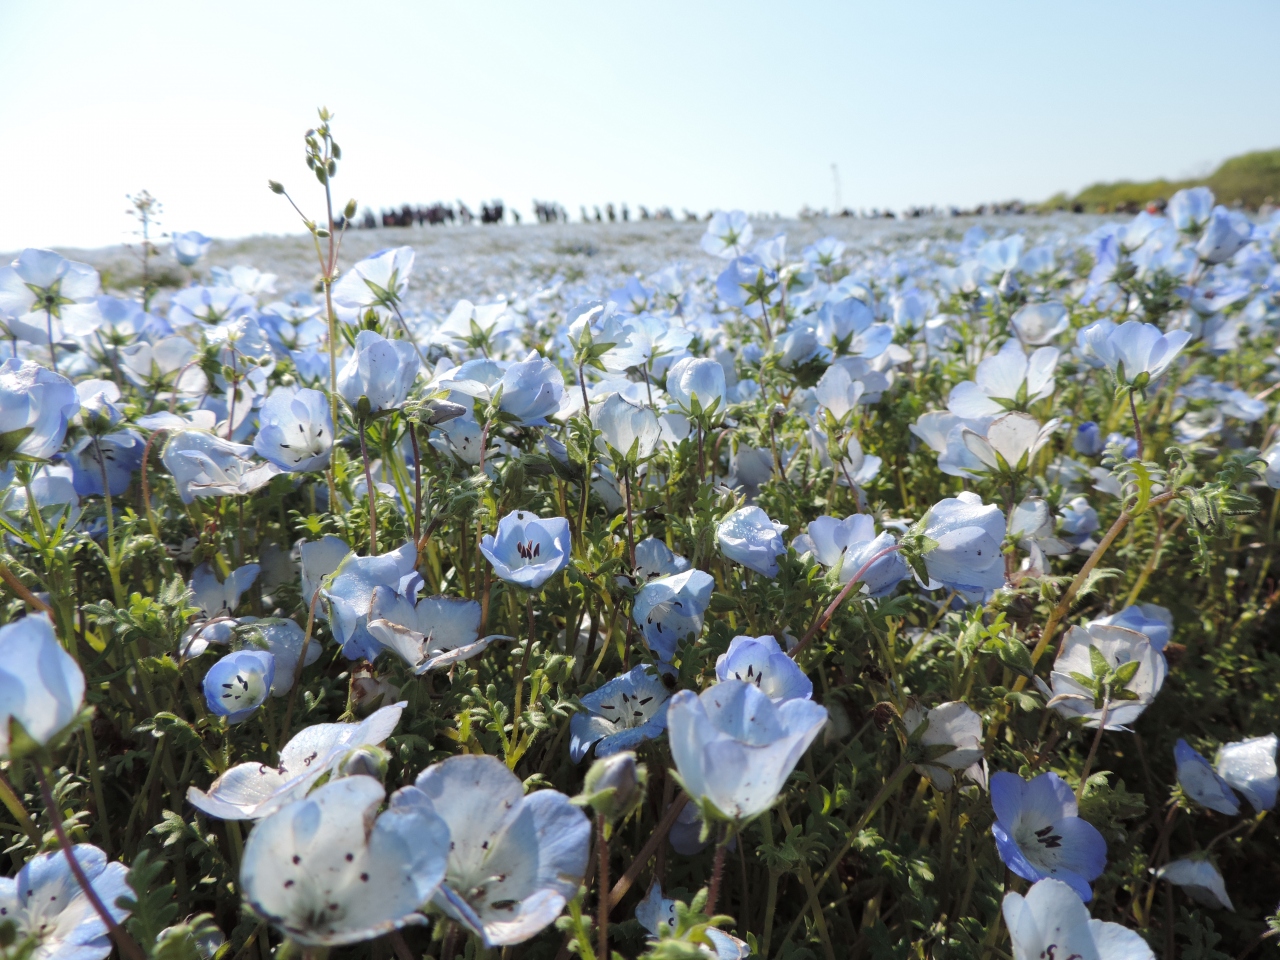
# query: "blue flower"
(668, 609)
(189, 247)
(1038, 833)
(203, 465)
(621, 714)
(760, 660)
(44, 295)
(377, 282)
(1135, 352)
(1088, 439)
(211, 305)
(515, 859)
(296, 430)
(747, 536)
(35, 407)
(848, 544)
(531, 390)
(1200, 781)
(1146, 618)
(734, 748)
(330, 870)
(350, 594)
(117, 455)
(239, 683)
(50, 911)
(43, 687)
(381, 370)
(527, 550)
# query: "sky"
(695, 103)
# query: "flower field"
(825, 588)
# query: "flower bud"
(369, 761)
(276, 186)
(349, 210)
(614, 786)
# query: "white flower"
(514, 860)
(433, 633)
(1118, 646)
(1038, 323)
(838, 392)
(1134, 352)
(628, 428)
(951, 724)
(329, 870)
(1008, 379)
(378, 281)
(1250, 767)
(49, 909)
(380, 369)
(250, 791)
(203, 465)
(697, 385)
(1052, 921)
(728, 234)
(1009, 442)
(1199, 880)
(966, 536)
(41, 685)
(747, 536)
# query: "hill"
(1249, 180)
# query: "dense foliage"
(900, 601)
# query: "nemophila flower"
(1200, 781)
(433, 633)
(527, 392)
(380, 370)
(697, 386)
(760, 660)
(848, 327)
(943, 432)
(36, 405)
(203, 465)
(350, 595)
(219, 598)
(189, 247)
(747, 536)
(1039, 833)
(239, 684)
(655, 559)
(1051, 922)
(1007, 380)
(43, 686)
(1271, 469)
(514, 860)
(208, 305)
(43, 296)
(838, 392)
(317, 560)
(1190, 209)
(962, 550)
(952, 725)
(330, 870)
(144, 363)
(656, 914)
(1225, 235)
(1135, 671)
(55, 498)
(1009, 442)
(99, 405)
(1031, 524)
(295, 430)
(734, 748)
(1147, 618)
(377, 282)
(630, 429)
(527, 550)
(113, 458)
(1199, 880)
(667, 609)
(1135, 352)
(728, 234)
(1039, 323)
(248, 280)
(250, 791)
(621, 714)
(1088, 439)
(50, 913)
(284, 640)
(1250, 767)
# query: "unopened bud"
(276, 186)
(350, 210)
(614, 786)
(368, 761)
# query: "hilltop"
(1249, 180)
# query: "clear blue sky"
(689, 103)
